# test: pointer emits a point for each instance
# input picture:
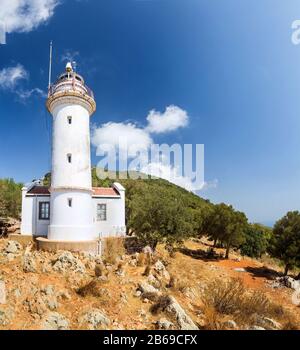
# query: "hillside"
(187, 290)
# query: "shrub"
(93, 288)
(224, 296)
(114, 248)
(231, 298)
(211, 319)
(161, 304)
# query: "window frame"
(41, 204)
(101, 214)
(70, 202)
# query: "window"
(44, 210)
(69, 157)
(70, 202)
(101, 212)
(69, 119)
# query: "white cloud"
(25, 15)
(128, 137)
(69, 55)
(25, 94)
(10, 76)
(172, 119)
(124, 137)
(10, 79)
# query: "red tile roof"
(105, 191)
(39, 190)
(97, 191)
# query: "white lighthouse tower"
(71, 104)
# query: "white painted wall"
(115, 215)
(27, 214)
(83, 209)
(74, 139)
(71, 223)
(30, 223)
(71, 180)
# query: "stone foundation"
(73, 246)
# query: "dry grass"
(114, 248)
(212, 318)
(225, 297)
(232, 298)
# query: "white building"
(70, 209)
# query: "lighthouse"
(70, 214)
(71, 104)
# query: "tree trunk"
(215, 243)
(286, 269)
(227, 251)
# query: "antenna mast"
(50, 66)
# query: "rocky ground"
(42, 290)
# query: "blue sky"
(230, 65)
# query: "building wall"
(115, 217)
(73, 223)
(31, 225)
(71, 139)
(114, 225)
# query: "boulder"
(290, 282)
(66, 261)
(13, 247)
(36, 305)
(95, 319)
(144, 287)
(164, 324)
(159, 266)
(269, 323)
(183, 320)
(6, 316)
(161, 270)
(48, 290)
(256, 328)
(153, 281)
(2, 293)
(230, 324)
(29, 264)
(239, 269)
(55, 321)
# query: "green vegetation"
(285, 242)
(159, 211)
(10, 198)
(257, 239)
(225, 225)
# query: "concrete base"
(73, 246)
